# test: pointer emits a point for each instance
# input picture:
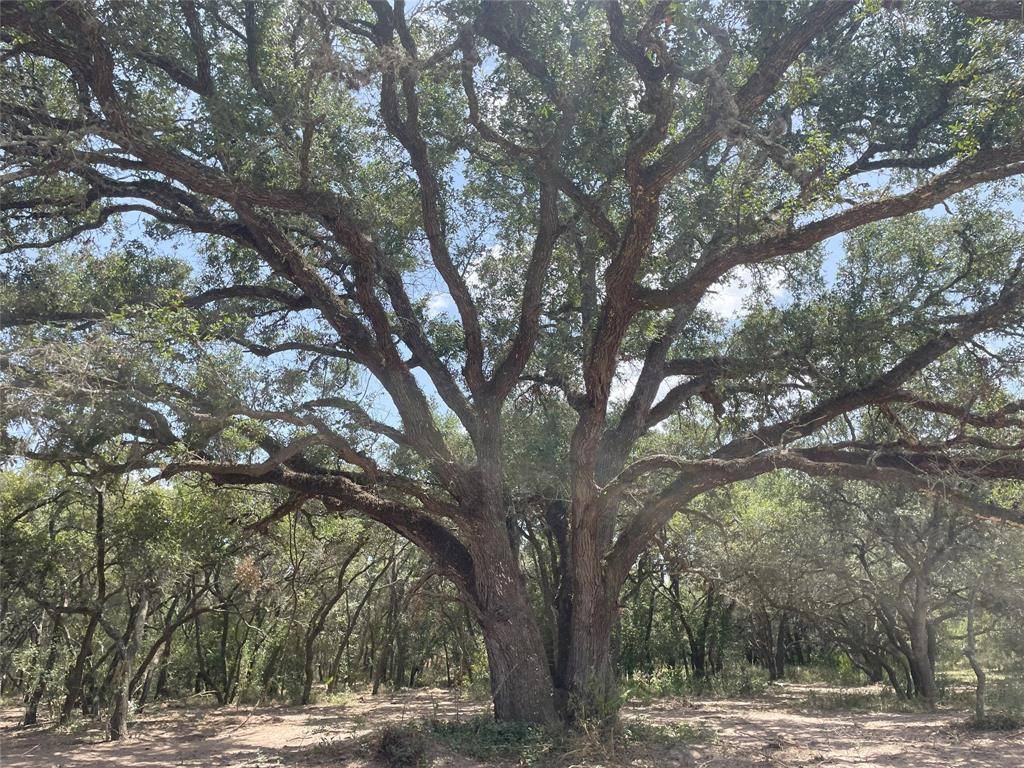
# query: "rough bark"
(521, 682)
(76, 676)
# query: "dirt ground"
(767, 732)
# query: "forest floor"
(785, 728)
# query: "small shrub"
(1006, 693)
(671, 734)
(835, 670)
(875, 699)
(657, 685)
(734, 680)
(401, 746)
(995, 722)
(483, 738)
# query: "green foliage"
(736, 679)
(483, 738)
(263, 271)
(834, 669)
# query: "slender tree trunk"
(920, 641)
(76, 676)
(400, 660)
(352, 621)
(46, 652)
(123, 678)
(224, 684)
(380, 667)
(164, 663)
(316, 626)
(779, 668)
(270, 669)
(894, 679)
(970, 651)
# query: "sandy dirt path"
(764, 732)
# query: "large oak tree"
(343, 249)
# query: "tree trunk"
(352, 621)
(779, 667)
(920, 643)
(307, 670)
(316, 626)
(123, 678)
(165, 663)
(520, 679)
(521, 682)
(590, 675)
(47, 653)
(894, 680)
(76, 676)
(970, 651)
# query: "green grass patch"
(483, 738)
(877, 700)
(735, 681)
(672, 734)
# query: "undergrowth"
(994, 722)
(530, 746)
(739, 681)
(402, 746)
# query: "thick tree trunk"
(520, 679)
(592, 689)
(521, 682)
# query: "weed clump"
(534, 746)
(402, 746)
(994, 722)
(484, 738)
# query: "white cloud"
(727, 297)
(440, 304)
(624, 381)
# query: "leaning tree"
(343, 249)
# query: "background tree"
(331, 247)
